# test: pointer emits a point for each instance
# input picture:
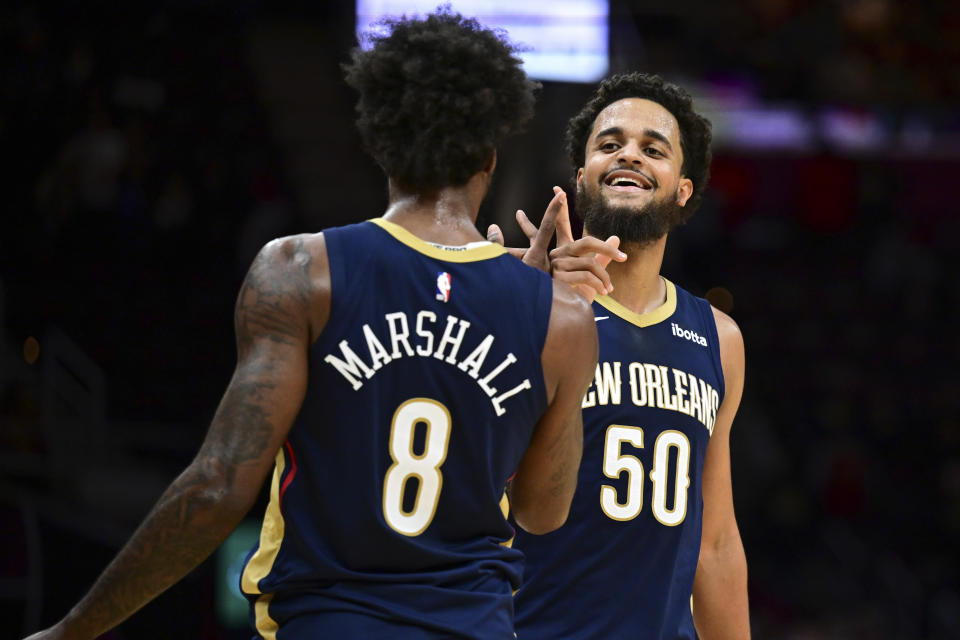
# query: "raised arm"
(546, 479)
(281, 306)
(720, 609)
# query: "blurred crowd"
(143, 174)
(894, 53)
(847, 447)
(141, 162)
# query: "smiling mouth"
(627, 181)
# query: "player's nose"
(630, 153)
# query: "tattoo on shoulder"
(275, 296)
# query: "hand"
(556, 218)
(580, 263)
(583, 264)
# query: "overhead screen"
(565, 40)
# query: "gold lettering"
(679, 389)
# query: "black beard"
(632, 225)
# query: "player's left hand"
(580, 263)
(556, 218)
(583, 264)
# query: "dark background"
(152, 149)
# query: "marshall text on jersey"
(384, 518)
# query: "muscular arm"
(720, 609)
(277, 313)
(546, 479)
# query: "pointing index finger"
(556, 208)
(564, 230)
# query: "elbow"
(541, 507)
(542, 521)
(211, 495)
(541, 528)
(724, 551)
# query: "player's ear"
(579, 175)
(684, 191)
(491, 163)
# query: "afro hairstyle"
(695, 130)
(437, 95)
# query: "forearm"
(192, 517)
(547, 479)
(720, 608)
(205, 503)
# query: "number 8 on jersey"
(406, 464)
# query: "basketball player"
(652, 521)
(382, 377)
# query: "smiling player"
(652, 520)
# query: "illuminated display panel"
(565, 40)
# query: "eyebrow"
(650, 133)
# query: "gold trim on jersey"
(505, 510)
(271, 535)
(659, 314)
(469, 253)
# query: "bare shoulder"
(731, 347)
(727, 329)
(286, 294)
(299, 253)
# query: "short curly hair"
(695, 130)
(437, 95)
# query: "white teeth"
(625, 181)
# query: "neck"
(446, 216)
(637, 284)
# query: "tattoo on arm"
(267, 292)
(241, 430)
(559, 452)
(189, 520)
(170, 543)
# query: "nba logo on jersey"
(443, 286)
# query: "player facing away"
(652, 521)
(391, 384)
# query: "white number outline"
(670, 438)
(426, 467)
(615, 462)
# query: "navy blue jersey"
(424, 388)
(623, 564)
